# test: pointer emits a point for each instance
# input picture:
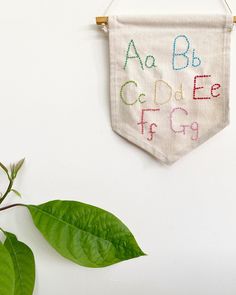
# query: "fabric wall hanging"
(169, 80)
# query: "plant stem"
(10, 185)
(7, 191)
(11, 206)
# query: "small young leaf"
(12, 168)
(85, 234)
(16, 167)
(3, 167)
(24, 265)
(19, 165)
(16, 192)
(7, 275)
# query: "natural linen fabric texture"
(169, 80)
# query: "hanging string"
(108, 7)
(104, 27)
(112, 1)
(227, 4)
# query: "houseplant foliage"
(82, 233)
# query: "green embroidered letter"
(150, 62)
(134, 55)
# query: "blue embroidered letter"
(182, 54)
(196, 60)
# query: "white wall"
(54, 110)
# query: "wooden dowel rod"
(101, 20)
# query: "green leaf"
(85, 234)
(15, 168)
(12, 169)
(16, 192)
(7, 275)
(24, 265)
(19, 165)
(5, 170)
(4, 167)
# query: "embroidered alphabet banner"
(169, 80)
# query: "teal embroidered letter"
(182, 54)
(196, 60)
(150, 62)
(135, 55)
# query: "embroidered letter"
(181, 55)
(196, 62)
(151, 132)
(150, 62)
(158, 89)
(195, 127)
(125, 100)
(183, 58)
(135, 55)
(195, 88)
(139, 98)
(183, 128)
(179, 95)
(213, 88)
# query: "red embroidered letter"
(213, 88)
(198, 88)
(151, 131)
